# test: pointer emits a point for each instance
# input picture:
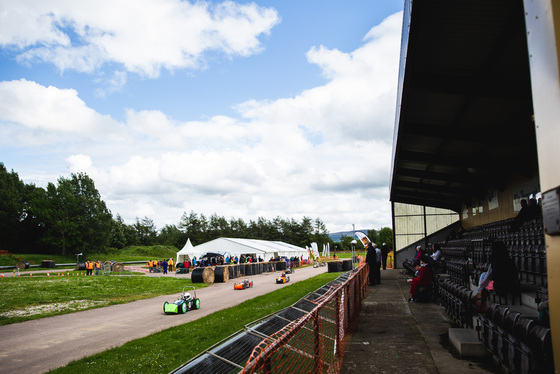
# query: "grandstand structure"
(476, 132)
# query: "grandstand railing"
(314, 343)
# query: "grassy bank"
(169, 349)
(132, 253)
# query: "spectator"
(501, 275)
(377, 264)
(384, 254)
(419, 252)
(436, 255)
(164, 265)
(422, 282)
(371, 259)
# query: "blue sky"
(246, 110)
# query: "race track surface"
(44, 344)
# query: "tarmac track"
(40, 345)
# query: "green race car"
(183, 304)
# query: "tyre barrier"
(203, 275)
(22, 265)
(233, 271)
(221, 274)
(335, 266)
(248, 269)
(48, 264)
(281, 265)
(346, 265)
(117, 267)
(81, 266)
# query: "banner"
(315, 249)
(363, 238)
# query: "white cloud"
(141, 36)
(323, 153)
(357, 102)
(35, 114)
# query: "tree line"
(70, 217)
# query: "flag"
(315, 249)
(363, 238)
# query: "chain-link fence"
(315, 342)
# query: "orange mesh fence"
(314, 343)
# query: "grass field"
(35, 297)
(164, 351)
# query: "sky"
(240, 109)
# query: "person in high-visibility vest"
(170, 264)
(89, 268)
(150, 265)
(97, 267)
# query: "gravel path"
(44, 344)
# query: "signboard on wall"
(492, 199)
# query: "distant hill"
(336, 236)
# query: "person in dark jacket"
(371, 259)
(384, 254)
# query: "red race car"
(243, 285)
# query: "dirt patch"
(74, 305)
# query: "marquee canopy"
(237, 247)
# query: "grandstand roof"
(464, 119)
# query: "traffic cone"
(30, 275)
(48, 275)
(1, 275)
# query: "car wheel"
(183, 308)
(164, 306)
(197, 303)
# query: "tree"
(372, 235)
(145, 231)
(386, 236)
(238, 228)
(19, 228)
(118, 233)
(76, 218)
(172, 235)
(345, 243)
(194, 227)
(218, 227)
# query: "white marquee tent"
(237, 247)
(187, 252)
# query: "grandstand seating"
(521, 344)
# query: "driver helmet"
(188, 295)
